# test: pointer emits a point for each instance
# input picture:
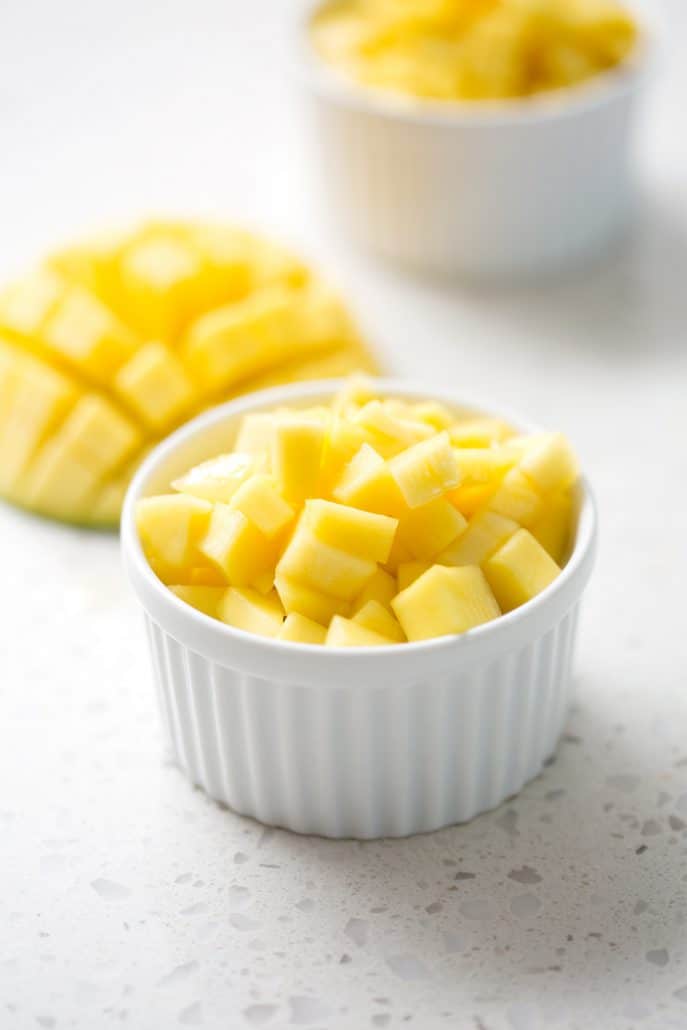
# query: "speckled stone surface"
(129, 899)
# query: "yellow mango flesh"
(148, 327)
(519, 570)
(444, 601)
(291, 535)
(469, 51)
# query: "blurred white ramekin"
(354, 742)
(487, 189)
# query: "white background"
(128, 899)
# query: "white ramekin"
(354, 743)
(487, 189)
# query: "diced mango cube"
(301, 630)
(409, 571)
(237, 547)
(346, 633)
(217, 479)
(362, 533)
(205, 599)
(516, 498)
(551, 464)
(153, 382)
(519, 570)
(232, 343)
(297, 456)
(170, 527)
(483, 464)
(256, 435)
(472, 497)
(328, 569)
(479, 432)
(25, 306)
(34, 399)
(426, 470)
(433, 414)
(250, 611)
(445, 601)
(376, 617)
(486, 532)
(86, 333)
(260, 501)
(427, 530)
(553, 528)
(380, 587)
(314, 604)
(367, 483)
(161, 279)
(391, 433)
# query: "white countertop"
(127, 898)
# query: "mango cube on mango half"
(366, 522)
(109, 345)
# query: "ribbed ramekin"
(355, 742)
(487, 189)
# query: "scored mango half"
(111, 344)
(355, 524)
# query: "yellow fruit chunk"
(33, 400)
(427, 530)
(256, 435)
(93, 439)
(479, 432)
(367, 483)
(25, 306)
(380, 587)
(217, 479)
(516, 498)
(409, 571)
(486, 532)
(391, 433)
(553, 529)
(297, 456)
(433, 414)
(399, 555)
(379, 619)
(162, 282)
(362, 533)
(426, 470)
(86, 333)
(260, 501)
(253, 612)
(241, 339)
(205, 599)
(445, 601)
(483, 464)
(314, 604)
(301, 630)
(519, 570)
(170, 527)
(328, 569)
(237, 547)
(343, 441)
(472, 497)
(346, 633)
(551, 463)
(153, 382)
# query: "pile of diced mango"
(369, 521)
(111, 344)
(473, 49)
